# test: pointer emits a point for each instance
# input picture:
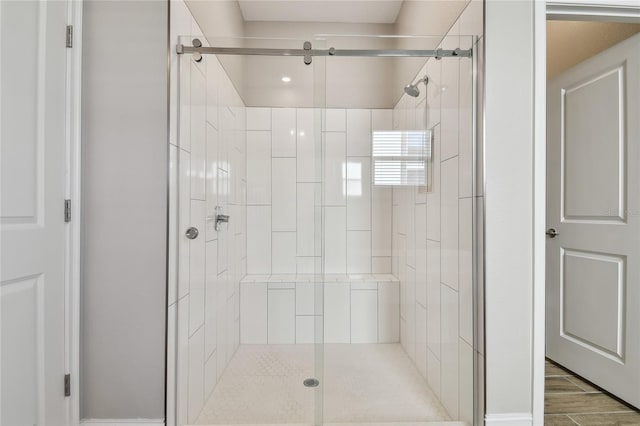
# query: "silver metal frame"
(307, 52)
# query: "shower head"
(413, 90)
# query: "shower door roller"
(192, 233)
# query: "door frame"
(73, 192)
(567, 10)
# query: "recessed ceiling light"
(286, 79)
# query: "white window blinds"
(401, 158)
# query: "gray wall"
(124, 142)
(509, 206)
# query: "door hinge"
(69, 35)
(67, 385)
(67, 210)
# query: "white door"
(593, 203)
(32, 172)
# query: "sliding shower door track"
(307, 52)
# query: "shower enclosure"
(324, 227)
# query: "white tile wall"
(388, 312)
(308, 265)
(196, 375)
(283, 198)
(364, 316)
(433, 373)
(258, 119)
(198, 133)
(259, 234)
(288, 180)
(381, 265)
(381, 222)
(305, 298)
(258, 167)
(335, 234)
(307, 243)
(358, 252)
(197, 266)
(211, 298)
(358, 186)
(212, 180)
(184, 220)
(410, 223)
(421, 254)
(253, 313)
(214, 75)
(335, 169)
(308, 168)
(337, 305)
(433, 297)
(359, 308)
(282, 312)
(283, 253)
(410, 311)
(381, 119)
(222, 330)
(305, 326)
(421, 339)
(433, 198)
(283, 132)
(449, 223)
(449, 359)
(335, 120)
(210, 375)
(358, 132)
(208, 144)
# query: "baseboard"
(122, 422)
(508, 419)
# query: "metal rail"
(307, 52)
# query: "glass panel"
(250, 139)
(355, 298)
(399, 310)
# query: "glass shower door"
(399, 209)
(249, 227)
(343, 287)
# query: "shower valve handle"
(220, 218)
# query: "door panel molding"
(22, 307)
(619, 262)
(574, 143)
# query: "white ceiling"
(350, 11)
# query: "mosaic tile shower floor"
(370, 384)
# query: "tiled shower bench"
(286, 308)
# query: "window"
(402, 158)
